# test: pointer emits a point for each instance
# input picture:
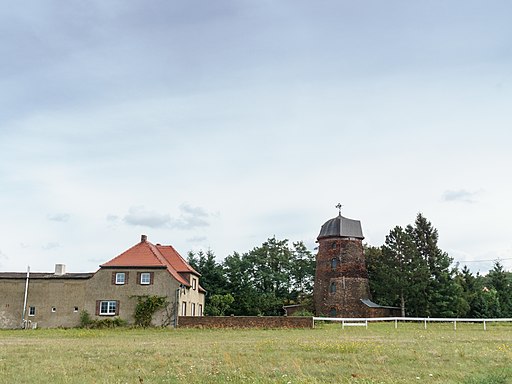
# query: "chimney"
(60, 269)
(143, 238)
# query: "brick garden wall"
(245, 322)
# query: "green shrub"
(146, 308)
(112, 322)
(303, 312)
(85, 319)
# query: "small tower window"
(334, 263)
(333, 245)
(332, 287)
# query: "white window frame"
(31, 311)
(194, 284)
(108, 307)
(192, 309)
(120, 278)
(200, 310)
(184, 308)
(145, 278)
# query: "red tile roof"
(145, 254)
(175, 259)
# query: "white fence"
(351, 322)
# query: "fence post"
(485, 327)
(396, 323)
(425, 323)
(454, 325)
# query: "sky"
(219, 124)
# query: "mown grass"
(327, 354)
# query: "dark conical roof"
(341, 227)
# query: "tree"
(219, 304)
(268, 277)
(442, 294)
(405, 270)
(213, 279)
(501, 281)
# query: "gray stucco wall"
(68, 297)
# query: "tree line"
(258, 282)
(408, 271)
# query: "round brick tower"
(341, 278)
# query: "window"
(333, 245)
(332, 312)
(194, 284)
(332, 287)
(184, 309)
(120, 278)
(200, 310)
(75, 309)
(193, 309)
(145, 278)
(108, 308)
(334, 263)
(54, 309)
(31, 311)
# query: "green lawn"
(327, 354)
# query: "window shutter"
(117, 307)
(113, 278)
(98, 303)
(126, 274)
(138, 278)
(151, 277)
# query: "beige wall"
(100, 287)
(44, 294)
(193, 298)
(11, 302)
(66, 294)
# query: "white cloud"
(140, 216)
(461, 195)
(197, 239)
(50, 245)
(190, 217)
(61, 217)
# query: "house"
(57, 299)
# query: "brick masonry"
(341, 278)
(245, 322)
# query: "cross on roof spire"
(339, 205)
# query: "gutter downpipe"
(25, 299)
(177, 306)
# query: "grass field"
(326, 354)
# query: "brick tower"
(341, 278)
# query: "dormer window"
(194, 284)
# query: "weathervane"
(339, 205)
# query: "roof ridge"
(173, 271)
(185, 262)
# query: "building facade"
(341, 279)
(57, 299)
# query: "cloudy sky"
(219, 124)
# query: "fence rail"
(348, 321)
